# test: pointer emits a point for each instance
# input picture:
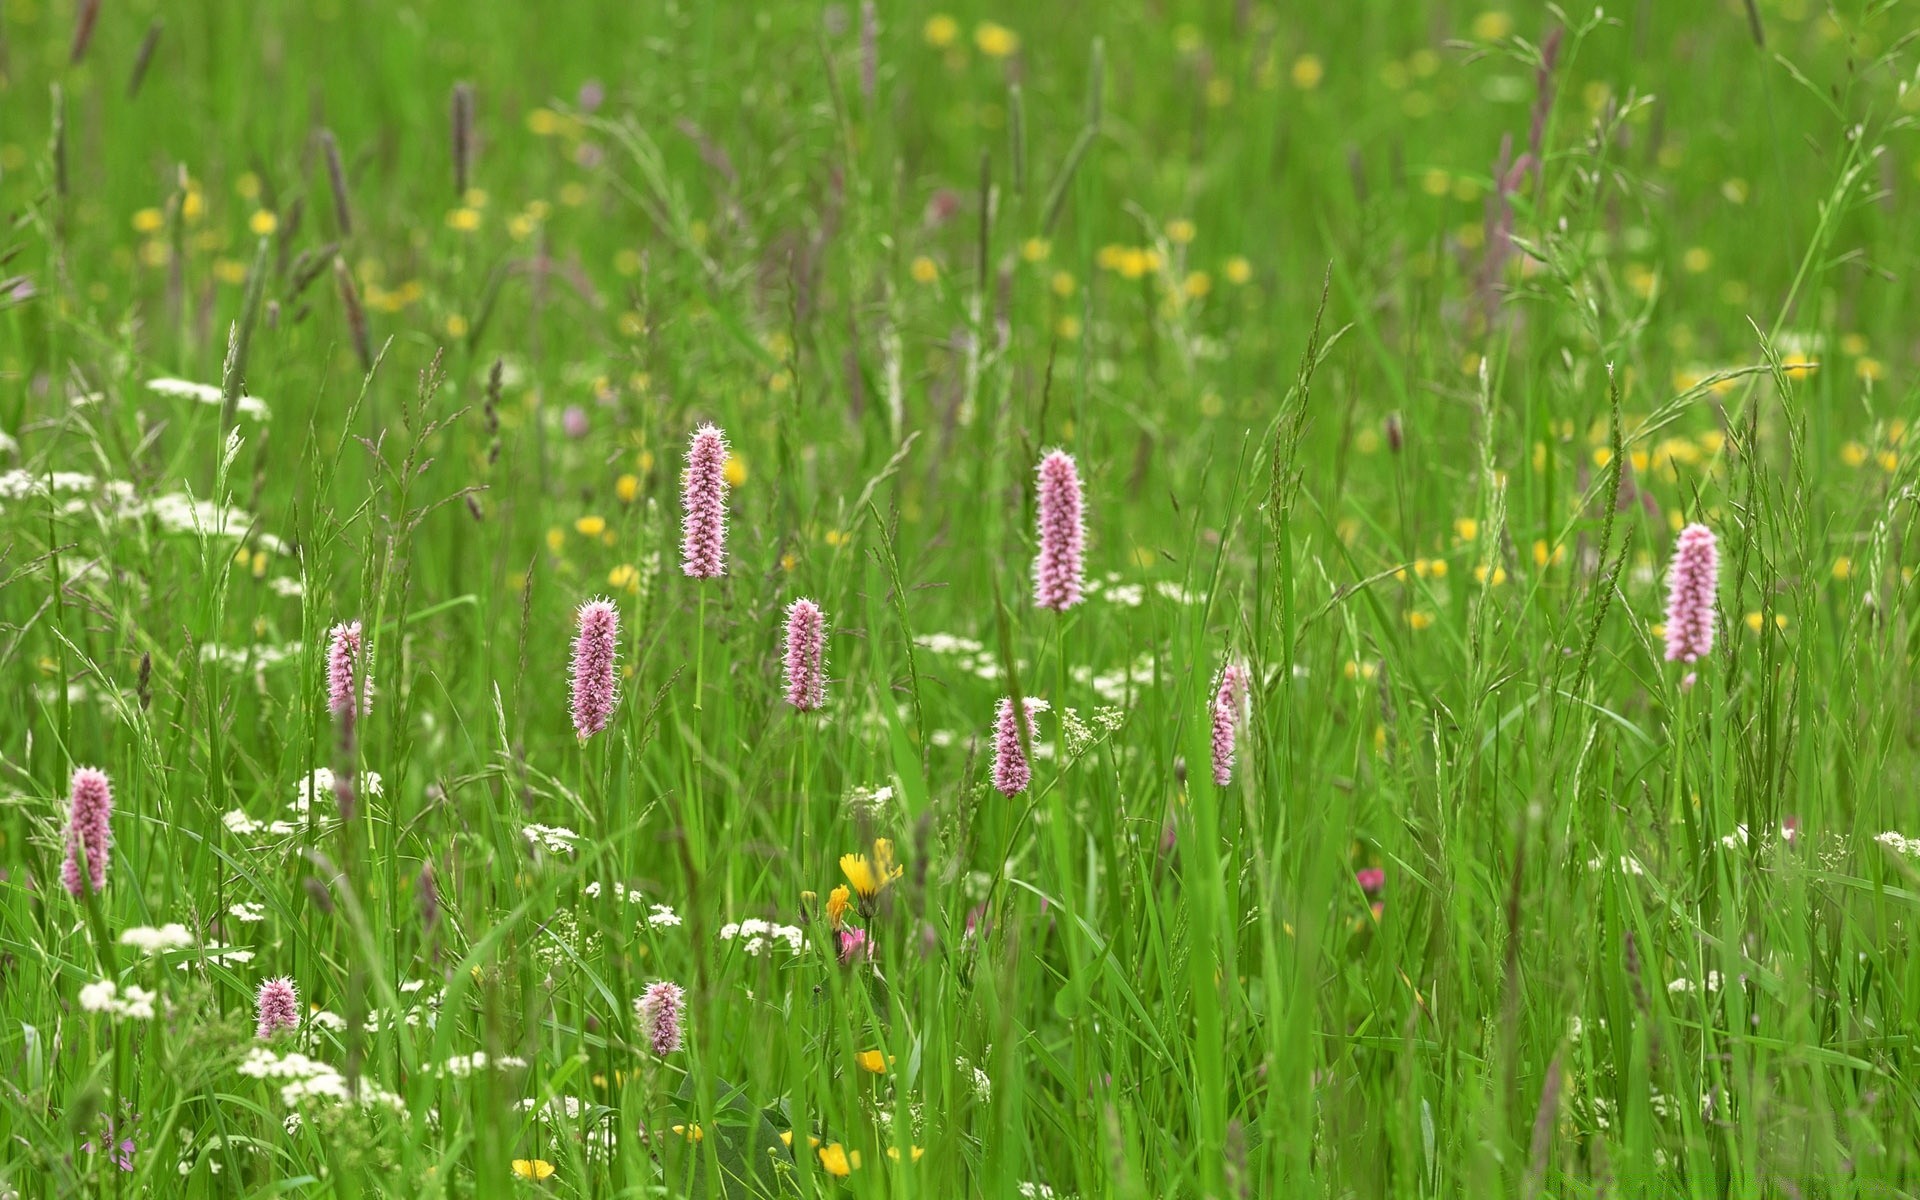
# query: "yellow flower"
(230, 270)
(543, 122)
(456, 325)
(695, 1134)
(1498, 574)
(1492, 26)
(591, 526)
(532, 1168)
(1036, 249)
(1697, 259)
(925, 270)
(1238, 270)
(263, 223)
(1888, 460)
(995, 41)
(624, 576)
(1197, 285)
(874, 1061)
(556, 538)
(1853, 454)
(1307, 72)
(1067, 327)
(893, 1152)
(466, 220)
(1180, 231)
(1843, 567)
(838, 901)
(1870, 369)
(573, 194)
(940, 31)
(869, 878)
(837, 1161)
(1063, 284)
(786, 1138)
(1419, 620)
(148, 220)
(1438, 568)
(627, 487)
(1467, 528)
(735, 470)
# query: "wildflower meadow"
(1135, 600)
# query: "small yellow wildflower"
(995, 41)
(230, 270)
(695, 1134)
(1467, 528)
(869, 878)
(735, 471)
(532, 1168)
(924, 270)
(263, 223)
(627, 487)
(556, 538)
(1180, 231)
(543, 122)
(1853, 454)
(591, 526)
(1869, 369)
(1735, 190)
(466, 220)
(456, 325)
(1492, 26)
(1888, 461)
(874, 1061)
(1697, 259)
(893, 1152)
(624, 578)
(1036, 249)
(1843, 567)
(1238, 270)
(1063, 284)
(1197, 285)
(1419, 620)
(940, 31)
(148, 220)
(1498, 574)
(1307, 72)
(1438, 568)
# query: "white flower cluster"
(308, 1079)
(761, 935)
(1681, 987)
(1629, 865)
(1737, 840)
(134, 1003)
(150, 941)
(206, 393)
(1899, 843)
(980, 1081)
(554, 839)
(462, 1065)
(869, 803)
(247, 911)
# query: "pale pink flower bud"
(806, 655)
(703, 500)
(595, 690)
(89, 832)
(662, 1016)
(1692, 585)
(1229, 714)
(1058, 570)
(277, 1007)
(1011, 773)
(346, 659)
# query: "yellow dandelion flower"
(838, 1161)
(1180, 231)
(735, 470)
(263, 223)
(1197, 285)
(193, 205)
(1419, 620)
(924, 270)
(1063, 284)
(1843, 567)
(1466, 528)
(466, 220)
(695, 1134)
(1307, 72)
(995, 41)
(874, 1062)
(839, 900)
(940, 31)
(1036, 249)
(1853, 454)
(456, 325)
(1481, 574)
(893, 1152)
(532, 1168)
(590, 526)
(624, 578)
(1437, 568)
(1238, 270)
(870, 876)
(789, 561)
(148, 220)
(627, 487)
(1887, 461)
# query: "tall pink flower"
(703, 499)
(806, 655)
(1229, 714)
(346, 659)
(595, 690)
(1058, 571)
(1011, 772)
(89, 832)
(276, 1007)
(661, 1009)
(1692, 584)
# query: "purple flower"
(703, 500)
(661, 1012)
(573, 420)
(595, 690)
(1058, 571)
(855, 946)
(346, 658)
(119, 1148)
(806, 656)
(276, 1007)
(1692, 584)
(89, 832)
(1011, 773)
(1229, 714)
(1371, 880)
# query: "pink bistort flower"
(1229, 714)
(1058, 570)
(277, 1007)
(1011, 772)
(346, 661)
(703, 501)
(89, 832)
(662, 1016)
(595, 690)
(806, 655)
(1692, 584)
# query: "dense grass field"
(1394, 344)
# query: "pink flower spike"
(346, 658)
(806, 655)
(89, 832)
(1011, 773)
(277, 1007)
(595, 690)
(1693, 583)
(1058, 570)
(661, 1012)
(1229, 715)
(703, 500)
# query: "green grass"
(1433, 518)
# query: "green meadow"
(349, 350)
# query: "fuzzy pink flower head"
(661, 1009)
(347, 659)
(595, 690)
(276, 1007)
(1372, 880)
(89, 832)
(1011, 772)
(703, 503)
(855, 946)
(1229, 714)
(806, 655)
(1693, 582)
(1059, 569)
